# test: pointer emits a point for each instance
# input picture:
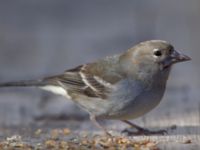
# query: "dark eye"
(157, 53)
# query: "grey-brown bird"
(122, 87)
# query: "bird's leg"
(140, 130)
(93, 119)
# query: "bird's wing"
(83, 80)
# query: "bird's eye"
(157, 53)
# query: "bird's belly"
(129, 101)
(136, 107)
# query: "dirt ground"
(50, 135)
(68, 134)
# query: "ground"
(64, 134)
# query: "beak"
(178, 57)
(175, 57)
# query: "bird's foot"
(143, 131)
(93, 119)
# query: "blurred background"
(40, 38)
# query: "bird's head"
(151, 57)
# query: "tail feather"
(45, 84)
(24, 83)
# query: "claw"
(140, 130)
(144, 132)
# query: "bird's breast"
(135, 100)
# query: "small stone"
(187, 141)
(66, 131)
(38, 132)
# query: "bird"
(120, 87)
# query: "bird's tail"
(47, 84)
(24, 83)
